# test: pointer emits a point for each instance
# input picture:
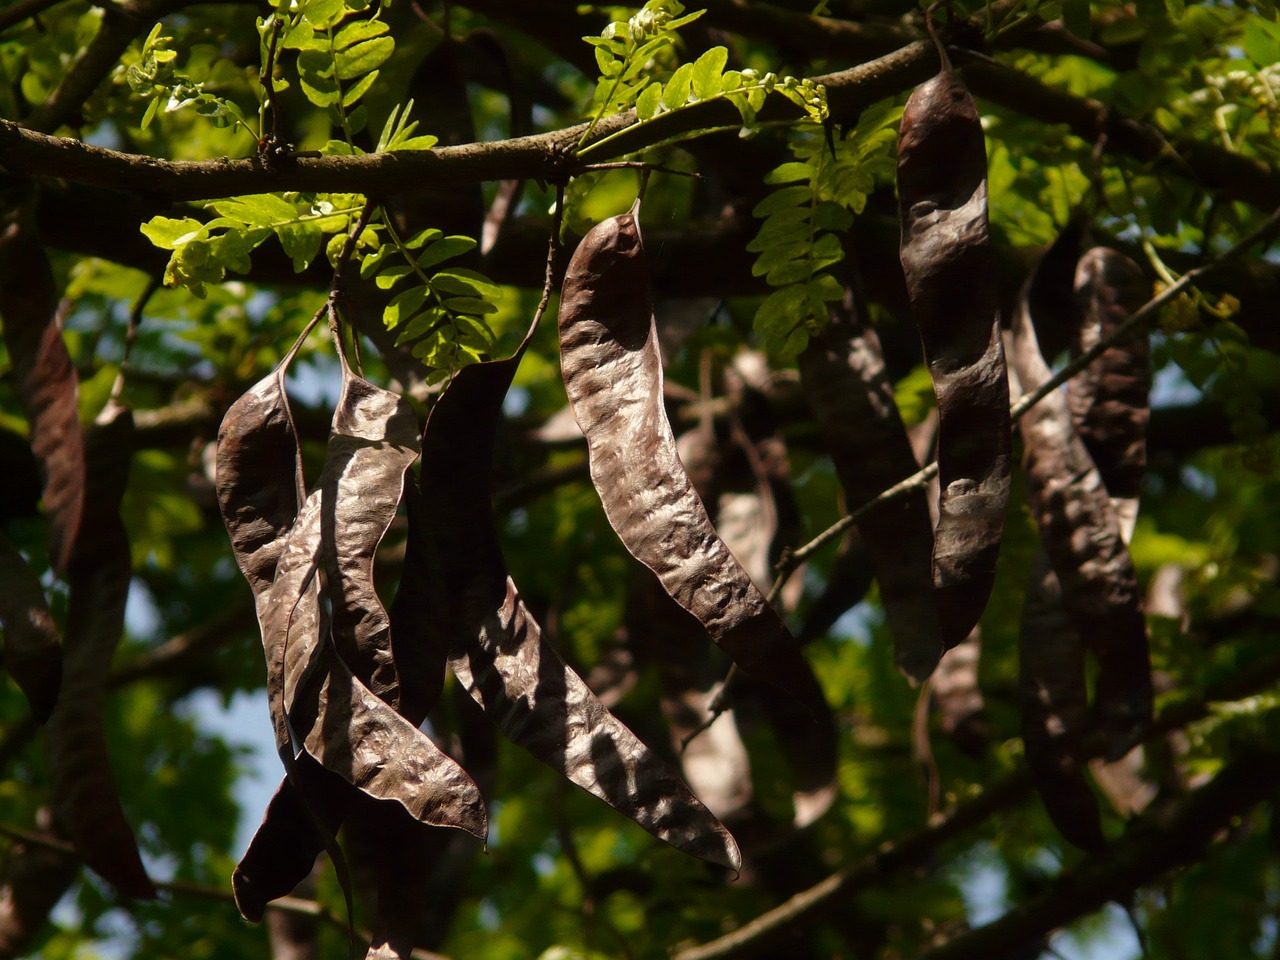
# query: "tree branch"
(919, 845)
(1154, 846)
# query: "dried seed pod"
(1081, 534)
(951, 283)
(339, 721)
(259, 484)
(294, 831)
(715, 762)
(844, 379)
(45, 379)
(374, 441)
(86, 802)
(32, 654)
(1053, 696)
(1109, 398)
(613, 376)
(496, 648)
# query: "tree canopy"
(840, 438)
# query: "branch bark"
(918, 846)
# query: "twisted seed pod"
(845, 382)
(613, 376)
(950, 273)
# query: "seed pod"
(950, 273)
(843, 375)
(1109, 398)
(45, 379)
(496, 648)
(32, 654)
(338, 720)
(1081, 534)
(260, 487)
(294, 831)
(613, 376)
(86, 803)
(1053, 696)
(374, 441)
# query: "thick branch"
(1159, 844)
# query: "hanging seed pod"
(1109, 399)
(613, 376)
(32, 654)
(373, 443)
(844, 380)
(86, 802)
(950, 273)
(496, 648)
(45, 379)
(260, 487)
(1053, 696)
(1081, 534)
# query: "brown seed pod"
(86, 802)
(845, 382)
(1109, 398)
(950, 273)
(1081, 533)
(613, 375)
(495, 647)
(374, 441)
(1053, 696)
(259, 484)
(45, 379)
(32, 654)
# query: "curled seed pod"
(45, 378)
(259, 484)
(32, 654)
(1109, 398)
(495, 647)
(86, 802)
(1081, 534)
(844, 379)
(294, 831)
(339, 721)
(1053, 696)
(374, 441)
(613, 376)
(950, 273)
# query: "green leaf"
(169, 234)
(785, 199)
(648, 102)
(676, 92)
(324, 13)
(389, 277)
(430, 235)
(365, 56)
(466, 282)
(445, 249)
(403, 306)
(150, 113)
(707, 72)
(358, 31)
(301, 241)
(353, 93)
(790, 172)
(470, 305)
(258, 210)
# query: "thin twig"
(131, 333)
(274, 118)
